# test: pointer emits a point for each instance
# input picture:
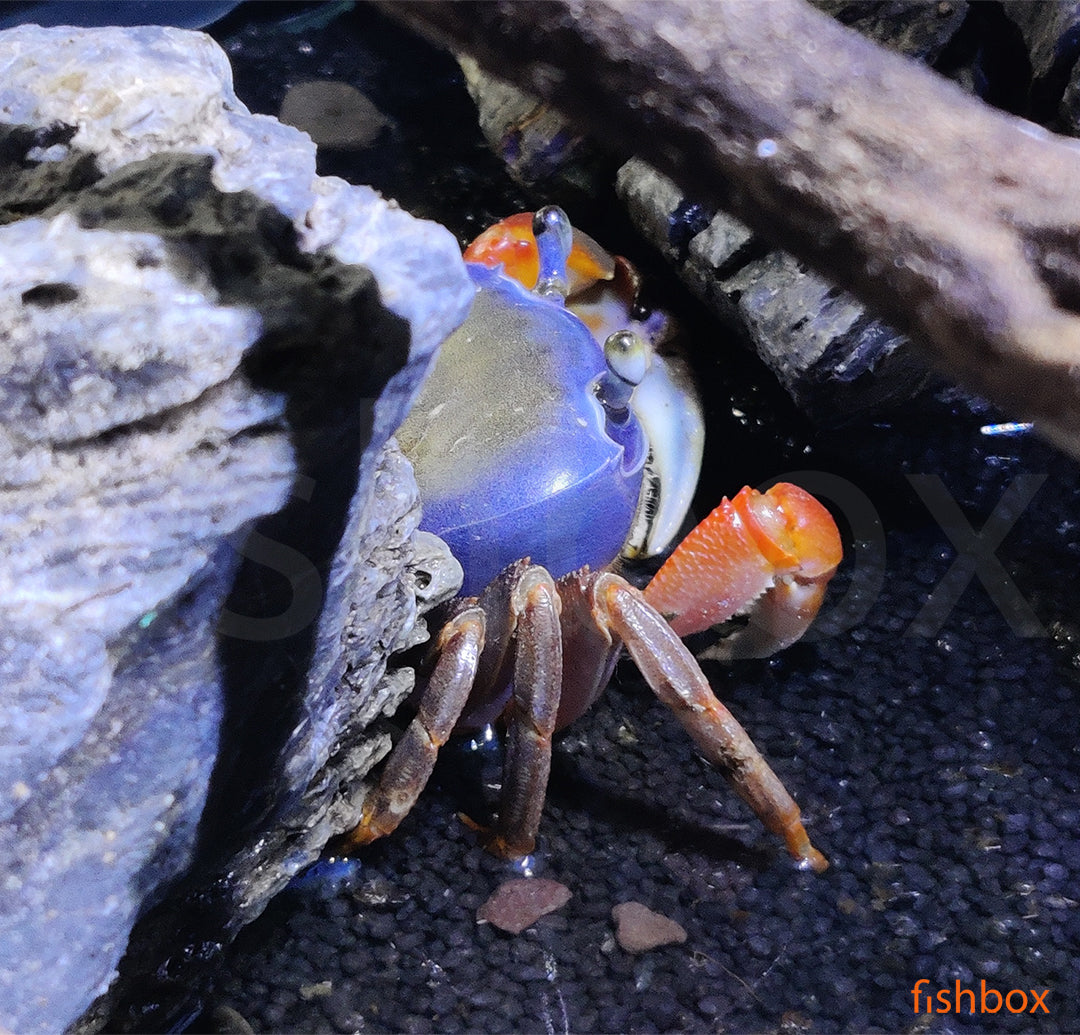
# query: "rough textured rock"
(207, 540)
(88, 351)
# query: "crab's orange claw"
(511, 242)
(767, 555)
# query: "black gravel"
(937, 769)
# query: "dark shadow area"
(991, 47)
(629, 815)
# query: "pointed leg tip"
(806, 856)
(499, 845)
(504, 848)
(809, 858)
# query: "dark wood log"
(957, 223)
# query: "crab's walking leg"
(530, 714)
(409, 766)
(674, 675)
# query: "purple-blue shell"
(514, 454)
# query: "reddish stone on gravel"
(516, 904)
(639, 929)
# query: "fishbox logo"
(990, 1000)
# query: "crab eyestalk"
(554, 241)
(627, 363)
(510, 243)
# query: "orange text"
(986, 1000)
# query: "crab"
(569, 374)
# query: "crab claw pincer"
(768, 556)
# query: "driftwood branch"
(957, 223)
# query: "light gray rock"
(135, 92)
(206, 540)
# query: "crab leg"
(530, 714)
(412, 759)
(675, 678)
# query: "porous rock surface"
(207, 547)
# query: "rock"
(639, 929)
(519, 903)
(208, 534)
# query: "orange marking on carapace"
(739, 551)
(511, 243)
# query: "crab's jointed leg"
(530, 715)
(515, 623)
(412, 759)
(675, 678)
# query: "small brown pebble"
(516, 904)
(639, 929)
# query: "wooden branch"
(957, 223)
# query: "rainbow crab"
(610, 432)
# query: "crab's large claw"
(767, 556)
(667, 406)
(512, 244)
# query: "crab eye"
(627, 362)
(627, 356)
(554, 240)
